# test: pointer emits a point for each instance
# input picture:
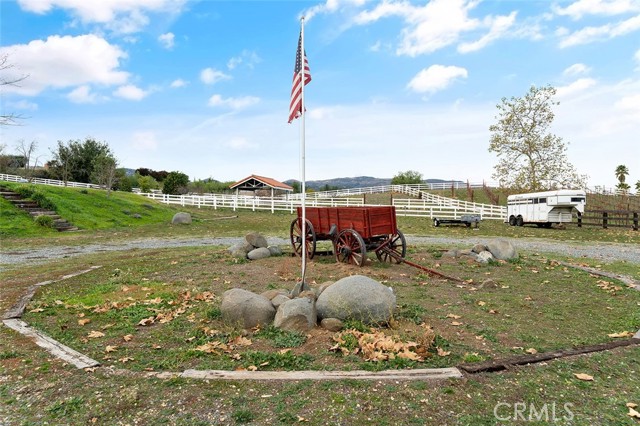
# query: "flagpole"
(302, 154)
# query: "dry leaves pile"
(377, 346)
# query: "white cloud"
(67, 61)
(637, 58)
(178, 82)
(440, 23)
(122, 16)
(82, 95)
(212, 76)
(581, 8)
(130, 92)
(604, 32)
(499, 26)
(574, 88)
(239, 143)
(233, 103)
(248, 58)
(330, 6)
(436, 78)
(23, 105)
(167, 40)
(144, 141)
(576, 69)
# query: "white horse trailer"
(545, 208)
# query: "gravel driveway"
(603, 251)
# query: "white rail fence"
(427, 205)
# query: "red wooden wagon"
(353, 231)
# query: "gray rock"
(502, 249)
(275, 250)
(309, 294)
(259, 253)
(484, 257)
(256, 240)
(181, 219)
(332, 324)
(324, 286)
(270, 294)
(279, 300)
(451, 253)
(479, 248)
(296, 315)
(240, 249)
(246, 309)
(136, 216)
(357, 297)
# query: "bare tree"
(8, 118)
(27, 152)
(104, 171)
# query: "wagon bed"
(352, 230)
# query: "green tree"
(175, 183)
(530, 158)
(77, 157)
(406, 178)
(638, 187)
(621, 174)
(104, 171)
(146, 183)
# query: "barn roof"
(255, 182)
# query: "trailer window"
(535, 201)
(542, 200)
(577, 200)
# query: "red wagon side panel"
(367, 221)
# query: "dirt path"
(603, 251)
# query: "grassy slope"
(87, 209)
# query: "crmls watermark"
(521, 411)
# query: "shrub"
(44, 220)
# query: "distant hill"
(353, 182)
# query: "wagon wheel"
(296, 238)
(350, 247)
(396, 244)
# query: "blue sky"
(203, 87)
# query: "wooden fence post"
(635, 221)
(605, 220)
(579, 221)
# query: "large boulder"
(259, 253)
(240, 249)
(246, 309)
(502, 249)
(181, 219)
(357, 297)
(256, 240)
(296, 315)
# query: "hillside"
(354, 182)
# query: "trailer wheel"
(397, 244)
(296, 238)
(350, 248)
(436, 222)
(519, 221)
(512, 221)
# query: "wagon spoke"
(350, 248)
(393, 249)
(297, 241)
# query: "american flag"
(295, 107)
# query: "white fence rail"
(428, 205)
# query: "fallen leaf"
(36, 310)
(111, 348)
(583, 376)
(493, 311)
(531, 351)
(127, 337)
(454, 316)
(632, 405)
(126, 359)
(442, 352)
(147, 321)
(93, 334)
(620, 334)
(252, 368)
(84, 321)
(456, 323)
(633, 413)
(481, 303)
